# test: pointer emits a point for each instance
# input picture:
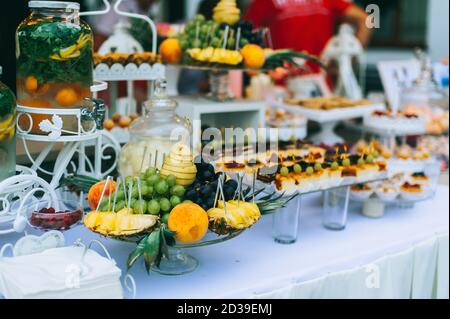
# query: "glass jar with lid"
(54, 51)
(423, 93)
(154, 134)
(7, 132)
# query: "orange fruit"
(170, 51)
(31, 84)
(254, 56)
(24, 121)
(95, 192)
(66, 97)
(189, 222)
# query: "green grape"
(145, 190)
(165, 205)
(162, 187)
(129, 180)
(284, 171)
(370, 159)
(105, 201)
(375, 154)
(346, 162)
(187, 201)
(243, 42)
(297, 169)
(175, 200)
(140, 207)
(103, 208)
(361, 162)
(335, 166)
(204, 29)
(150, 171)
(153, 207)
(197, 43)
(165, 219)
(317, 167)
(309, 170)
(120, 205)
(135, 192)
(171, 180)
(199, 18)
(120, 195)
(153, 180)
(215, 42)
(151, 191)
(132, 202)
(178, 190)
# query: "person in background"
(306, 25)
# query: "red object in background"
(310, 23)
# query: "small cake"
(411, 191)
(420, 177)
(387, 192)
(361, 191)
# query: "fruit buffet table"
(404, 254)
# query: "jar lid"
(54, 5)
(160, 99)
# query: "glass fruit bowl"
(61, 216)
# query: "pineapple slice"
(123, 223)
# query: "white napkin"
(60, 273)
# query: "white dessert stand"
(331, 118)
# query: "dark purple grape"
(206, 191)
(191, 195)
(214, 184)
(210, 202)
(228, 192)
(232, 184)
(207, 176)
(204, 206)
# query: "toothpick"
(119, 180)
(143, 158)
(140, 193)
(130, 186)
(227, 30)
(238, 39)
(103, 192)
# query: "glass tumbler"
(335, 208)
(286, 222)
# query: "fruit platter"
(187, 205)
(226, 42)
(305, 168)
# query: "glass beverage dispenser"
(54, 51)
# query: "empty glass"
(286, 222)
(335, 208)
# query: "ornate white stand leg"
(327, 135)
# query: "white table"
(405, 243)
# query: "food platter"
(338, 114)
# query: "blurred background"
(406, 24)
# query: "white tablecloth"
(405, 254)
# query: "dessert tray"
(305, 169)
(324, 110)
(384, 123)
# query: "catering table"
(405, 254)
